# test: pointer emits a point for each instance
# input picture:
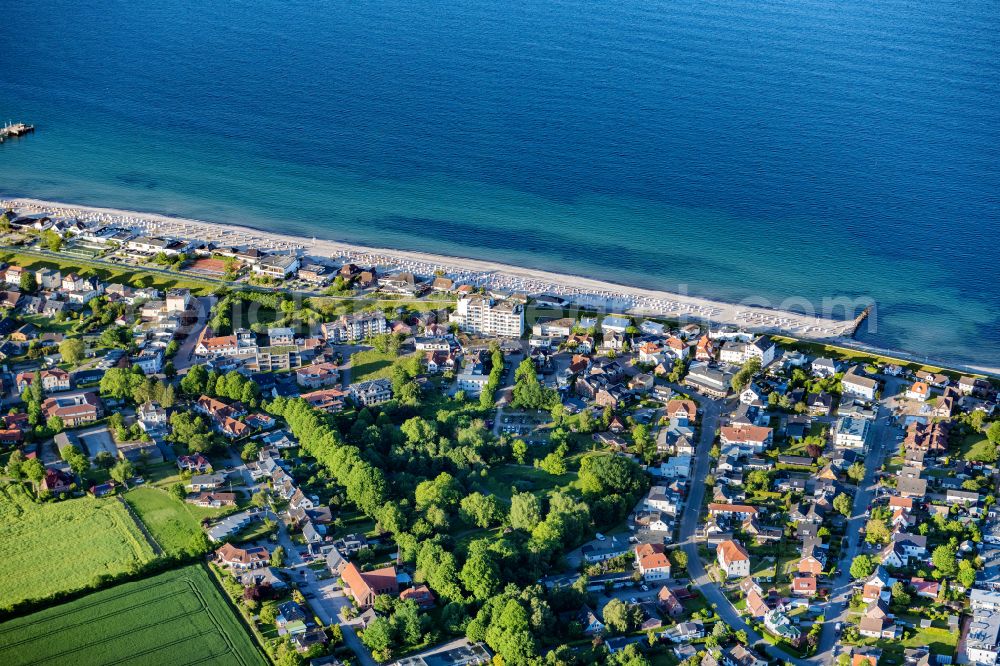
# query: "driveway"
(184, 358)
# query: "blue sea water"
(783, 151)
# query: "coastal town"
(410, 463)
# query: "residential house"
(352, 328)
(200, 482)
(857, 385)
(420, 594)
(652, 561)
(876, 622)
(733, 559)
(746, 439)
(242, 559)
(363, 587)
(317, 375)
(373, 392)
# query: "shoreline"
(578, 290)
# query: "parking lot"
(529, 425)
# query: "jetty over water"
(11, 130)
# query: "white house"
(733, 559)
(859, 386)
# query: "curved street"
(711, 416)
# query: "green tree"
(442, 491)
(250, 451)
(27, 282)
(79, 463)
(966, 576)
(842, 504)
(944, 558)
(278, 557)
(177, 491)
(856, 472)
(862, 566)
(758, 480)
(115, 336)
(104, 460)
(900, 596)
(55, 423)
(519, 449)
(72, 350)
(33, 470)
(877, 532)
(123, 471)
(740, 380)
(194, 382)
(525, 511)
(481, 510)
(15, 465)
(481, 573)
(621, 618)
(528, 392)
(993, 433)
(269, 613)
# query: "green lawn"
(174, 524)
(123, 275)
(371, 364)
(503, 478)
(174, 618)
(941, 641)
(64, 546)
(973, 446)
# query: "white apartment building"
(482, 315)
(351, 328)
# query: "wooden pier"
(12, 130)
(860, 320)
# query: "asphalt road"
(883, 441)
(325, 598)
(711, 416)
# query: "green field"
(174, 524)
(175, 618)
(63, 546)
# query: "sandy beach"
(582, 291)
(579, 290)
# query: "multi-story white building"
(178, 300)
(852, 433)
(982, 643)
(277, 266)
(351, 328)
(483, 315)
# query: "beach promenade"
(576, 290)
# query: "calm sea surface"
(733, 149)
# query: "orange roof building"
(365, 586)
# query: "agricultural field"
(174, 618)
(175, 525)
(64, 546)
